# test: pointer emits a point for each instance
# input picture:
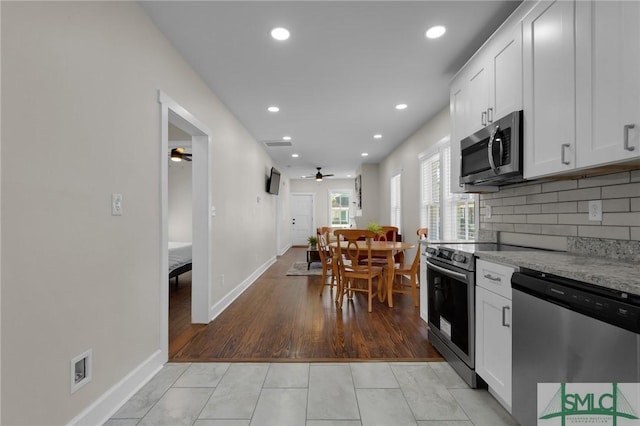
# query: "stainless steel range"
(450, 276)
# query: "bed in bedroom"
(179, 259)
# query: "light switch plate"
(595, 210)
(116, 204)
(487, 210)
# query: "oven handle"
(452, 274)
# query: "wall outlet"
(595, 210)
(81, 370)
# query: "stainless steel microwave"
(493, 155)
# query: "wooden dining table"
(386, 249)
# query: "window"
(448, 216)
(339, 202)
(396, 209)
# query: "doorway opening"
(179, 118)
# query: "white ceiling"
(339, 76)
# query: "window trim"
(351, 213)
(438, 149)
(397, 176)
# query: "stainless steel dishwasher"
(566, 331)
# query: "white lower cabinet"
(493, 332)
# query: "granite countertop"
(604, 272)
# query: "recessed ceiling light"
(273, 108)
(364, 154)
(348, 175)
(286, 138)
(280, 34)
(401, 106)
(295, 155)
(378, 136)
(436, 32)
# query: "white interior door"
(301, 218)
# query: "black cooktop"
(461, 254)
(472, 247)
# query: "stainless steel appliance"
(566, 331)
(450, 277)
(493, 155)
(451, 298)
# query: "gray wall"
(404, 159)
(321, 191)
(80, 110)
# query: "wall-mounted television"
(273, 184)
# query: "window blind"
(448, 216)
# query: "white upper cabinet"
(486, 89)
(549, 89)
(607, 81)
(505, 86)
(458, 106)
(478, 86)
(495, 78)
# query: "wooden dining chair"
(388, 233)
(411, 270)
(354, 276)
(326, 258)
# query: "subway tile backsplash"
(555, 214)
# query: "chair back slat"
(422, 235)
(348, 246)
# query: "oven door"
(452, 308)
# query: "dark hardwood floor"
(283, 318)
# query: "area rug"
(300, 268)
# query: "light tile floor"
(316, 394)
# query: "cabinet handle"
(562, 159)
(483, 118)
(504, 316)
(496, 279)
(626, 137)
(490, 115)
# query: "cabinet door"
(549, 89)
(478, 86)
(608, 81)
(458, 105)
(493, 342)
(505, 85)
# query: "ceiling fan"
(178, 154)
(318, 176)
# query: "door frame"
(313, 210)
(172, 112)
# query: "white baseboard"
(223, 303)
(105, 406)
(284, 249)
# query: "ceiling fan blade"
(327, 175)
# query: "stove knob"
(460, 258)
(430, 250)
